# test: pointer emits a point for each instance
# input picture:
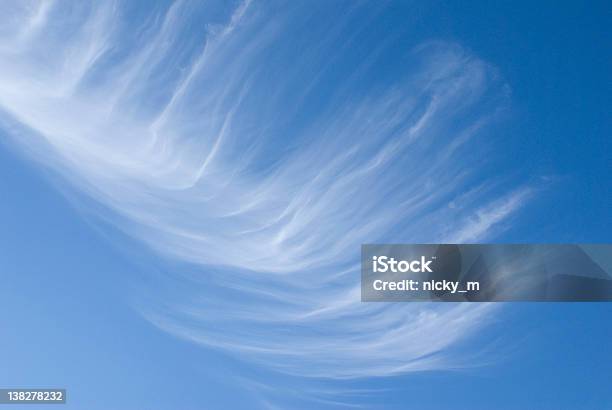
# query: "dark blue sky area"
(555, 58)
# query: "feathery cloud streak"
(264, 144)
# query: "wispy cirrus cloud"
(264, 145)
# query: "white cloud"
(204, 143)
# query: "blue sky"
(186, 189)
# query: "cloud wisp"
(263, 144)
